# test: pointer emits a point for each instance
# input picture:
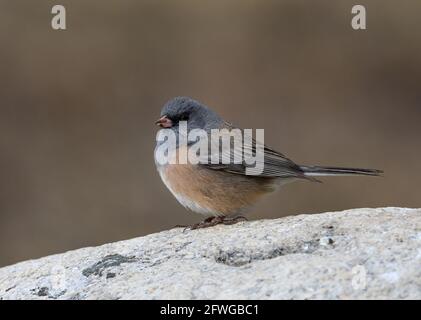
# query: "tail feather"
(338, 171)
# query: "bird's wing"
(274, 164)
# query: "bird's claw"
(213, 221)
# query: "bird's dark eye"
(183, 117)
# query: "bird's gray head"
(197, 115)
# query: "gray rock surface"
(360, 253)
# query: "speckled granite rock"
(360, 253)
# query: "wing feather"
(275, 164)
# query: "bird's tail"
(312, 171)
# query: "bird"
(223, 192)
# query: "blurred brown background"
(77, 107)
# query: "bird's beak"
(164, 122)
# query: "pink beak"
(164, 122)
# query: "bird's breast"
(212, 192)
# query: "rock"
(360, 253)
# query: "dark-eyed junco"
(223, 191)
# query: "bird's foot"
(180, 226)
(213, 221)
(204, 224)
(208, 222)
(235, 220)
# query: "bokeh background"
(77, 107)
